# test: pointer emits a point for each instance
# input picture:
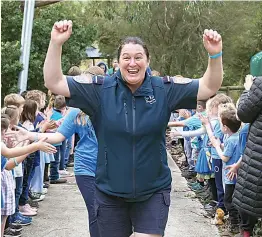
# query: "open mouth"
(133, 71)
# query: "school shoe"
(36, 196)
(9, 232)
(16, 227)
(44, 192)
(64, 173)
(46, 185)
(33, 203)
(58, 181)
(234, 229)
(188, 174)
(27, 211)
(32, 208)
(20, 220)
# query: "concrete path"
(63, 212)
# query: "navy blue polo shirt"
(131, 129)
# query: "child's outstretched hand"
(174, 133)
(232, 171)
(45, 147)
(19, 135)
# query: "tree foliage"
(73, 51)
(172, 30)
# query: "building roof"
(93, 52)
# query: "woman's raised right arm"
(55, 81)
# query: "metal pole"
(26, 43)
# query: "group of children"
(214, 141)
(25, 164)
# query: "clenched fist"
(61, 32)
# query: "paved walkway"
(63, 212)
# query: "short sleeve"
(229, 148)
(68, 127)
(183, 94)
(217, 131)
(85, 96)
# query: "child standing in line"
(229, 155)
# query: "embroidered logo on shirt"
(86, 79)
(181, 80)
(150, 99)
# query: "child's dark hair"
(202, 103)
(29, 111)
(229, 118)
(5, 121)
(59, 102)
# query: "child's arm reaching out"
(20, 151)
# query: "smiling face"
(133, 63)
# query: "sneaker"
(32, 208)
(29, 218)
(234, 229)
(36, 196)
(16, 227)
(197, 187)
(44, 192)
(33, 203)
(19, 220)
(58, 181)
(64, 173)
(9, 232)
(46, 185)
(27, 211)
(188, 174)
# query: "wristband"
(215, 55)
(15, 161)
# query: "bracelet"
(215, 55)
(15, 161)
(36, 137)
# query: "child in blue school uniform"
(229, 155)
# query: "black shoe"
(33, 203)
(58, 181)
(9, 232)
(70, 164)
(46, 185)
(234, 229)
(16, 227)
(188, 174)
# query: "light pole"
(29, 9)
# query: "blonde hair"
(35, 95)
(219, 99)
(155, 73)
(74, 71)
(94, 70)
(226, 107)
(14, 99)
(11, 111)
(5, 121)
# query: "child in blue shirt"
(229, 155)
(85, 156)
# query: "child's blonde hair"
(12, 112)
(35, 95)
(5, 121)
(217, 100)
(226, 107)
(14, 99)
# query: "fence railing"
(227, 89)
